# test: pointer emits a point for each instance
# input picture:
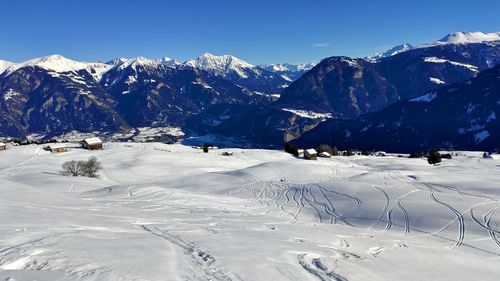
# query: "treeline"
(433, 155)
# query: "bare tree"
(73, 167)
(91, 167)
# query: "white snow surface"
(170, 212)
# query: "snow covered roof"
(2, 144)
(300, 151)
(94, 140)
(57, 145)
(311, 151)
(326, 154)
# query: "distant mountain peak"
(171, 62)
(288, 71)
(221, 65)
(391, 52)
(134, 62)
(56, 63)
(468, 37)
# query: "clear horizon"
(258, 32)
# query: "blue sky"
(259, 31)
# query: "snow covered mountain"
(225, 95)
(167, 61)
(56, 64)
(4, 65)
(290, 72)
(452, 38)
(52, 95)
(240, 72)
(150, 93)
(391, 52)
(459, 116)
(170, 62)
(347, 88)
(467, 38)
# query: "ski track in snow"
(460, 219)
(203, 261)
(293, 198)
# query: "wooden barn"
(3, 146)
(92, 143)
(311, 154)
(57, 147)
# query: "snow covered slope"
(170, 212)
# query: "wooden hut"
(3, 146)
(311, 154)
(92, 143)
(300, 153)
(57, 147)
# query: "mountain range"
(265, 105)
(459, 116)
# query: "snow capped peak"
(221, 65)
(134, 62)
(469, 37)
(398, 49)
(56, 63)
(391, 52)
(282, 67)
(117, 61)
(4, 65)
(170, 62)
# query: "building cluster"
(93, 143)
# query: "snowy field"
(171, 212)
